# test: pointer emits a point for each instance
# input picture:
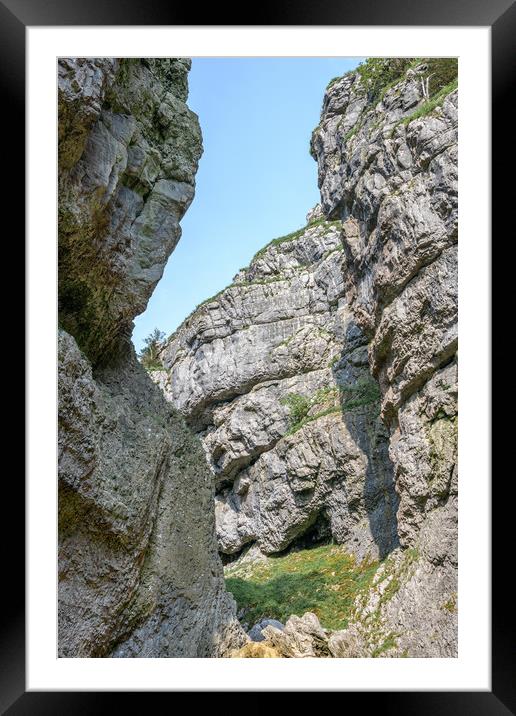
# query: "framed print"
(244, 344)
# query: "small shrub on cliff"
(441, 72)
(378, 73)
(298, 406)
(149, 354)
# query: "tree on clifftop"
(149, 354)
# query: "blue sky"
(256, 179)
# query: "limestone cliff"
(388, 171)
(139, 573)
(273, 373)
(323, 381)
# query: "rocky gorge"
(139, 573)
(306, 415)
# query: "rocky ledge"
(274, 376)
(323, 381)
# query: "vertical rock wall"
(273, 374)
(388, 171)
(323, 381)
(139, 573)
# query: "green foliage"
(378, 73)
(294, 235)
(431, 104)
(324, 580)
(279, 240)
(390, 642)
(388, 581)
(351, 132)
(332, 82)
(149, 354)
(450, 605)
(441, 72)
(300, 407)
(364, 392)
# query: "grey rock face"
(323, 380)
(392, 180)
(255, 634)
(273, 373)
(128, 153)
(301, 638)
(347, 644)
(139, 573)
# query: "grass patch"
(427, 107)
(301, 407)
(380, 74)
(372, 623)
(324, 580)
(390, 642)
(294, 235)
(351, 133)
(432, 103)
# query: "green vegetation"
(329, 582)
(332, 82)
(442, 77)
(430, 104)
(300, 407)
(451, 604)
(294, 235)
(441, 72)
(149, 354)
(379, 73)
(324, 580)
(371, 622)
(351, 133)
(364, 392)
(279, 240)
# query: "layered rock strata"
(273, 374)
(323, 381)
(139, 573)
(388, 171)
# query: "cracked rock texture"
(389, 173)
(139, 573)
(323, 381)
(283, 335)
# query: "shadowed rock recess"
(323, 380)
(139, 572)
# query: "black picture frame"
(500, 15)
